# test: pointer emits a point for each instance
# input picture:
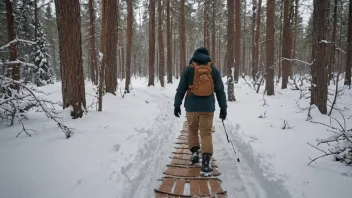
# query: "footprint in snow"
(116, 147)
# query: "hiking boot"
(206, 171)
(195, 156)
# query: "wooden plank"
(167, 184)
(169, 171)
(160, 195)
(203, 186)
(180, 186)
(215, 187)
(194, 187)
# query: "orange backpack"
(203, 84)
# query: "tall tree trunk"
(349, 47)
(257, 36)
(129, 44)
(182, 37)
(332, 63)
(69, 29)
(161, 45)
(213, 35)
(286, 46)
(280, 42)
(93, 53)
(319, 92)
(206, 33)
(11, 34)
(254, 64)
(238, 41)
(294, 35)
(270, 42)
(111, 47)
(123, 72)
(230, 51)
(151, 42)
(102, 51)
(244, 63)
(169, 41)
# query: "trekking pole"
(227, 136)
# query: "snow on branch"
(17, 41)
(340, 142)
(15, 104)
(23, 64)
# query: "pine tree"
(44, 74)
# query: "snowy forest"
(87, 90)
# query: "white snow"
(122, 151)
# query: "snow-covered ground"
(122, 151)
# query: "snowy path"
(143, 172)
(242, 179)
(123, 151)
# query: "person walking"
(199, 81)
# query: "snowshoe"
(206, 171)
(195, 156)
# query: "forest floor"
(122, 151)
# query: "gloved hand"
(177, 111)
(223, 114)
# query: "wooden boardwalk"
(183, 180)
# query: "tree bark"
(349, 47)
(319, 92)
(333, 44)
(206, 33)
(102, 52)
(213, 35)
(254, 63)
(111, 47)
(161, 45)
(182, 37)
(129, 44)
(294, 36)
(169, 41)
(93, 53)
(11, 34)
(69, 30)
(151, 42)
(244, 42)
(230, 51)
(286, 45)
(280, 42)
(270, 42)
(238, 41)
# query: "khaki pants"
(202, 121)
